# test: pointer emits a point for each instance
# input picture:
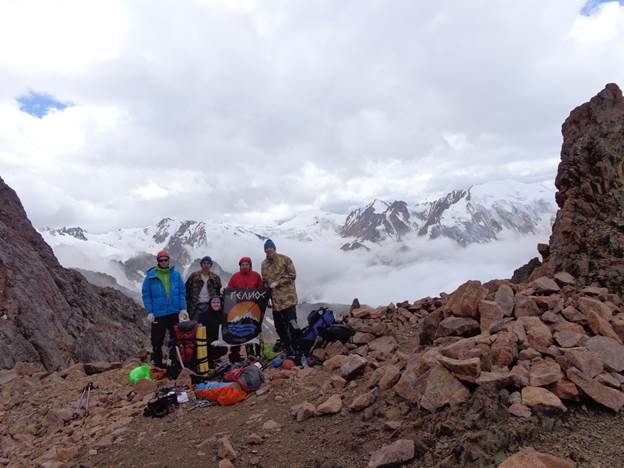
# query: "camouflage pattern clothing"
(194, 285)
(280, 269)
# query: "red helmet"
(162, 254)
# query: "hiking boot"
(157, 359)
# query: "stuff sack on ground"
(225, 396)
(251, 378)
(140, 373)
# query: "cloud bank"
(252, 111)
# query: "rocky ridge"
(51, 315)
(588, 234)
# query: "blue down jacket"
(155, 298)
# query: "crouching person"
(212, 318)
(164, 300)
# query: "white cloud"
(604, 25)
(63, 36)
(151, 191)
(252, 110)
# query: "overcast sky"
(117, 114)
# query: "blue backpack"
(318, 320)
(322, 326)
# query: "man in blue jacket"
(164, 299)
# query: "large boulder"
(609, 397)
(464, 301)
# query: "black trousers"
(287, 328)
(160, 326)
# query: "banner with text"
(243, 312)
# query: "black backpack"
(162, 405)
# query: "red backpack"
(185, 341)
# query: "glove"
(274, 285)
(183, 315)
(149, 319)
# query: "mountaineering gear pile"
(246, 279)
(157, 300)
(194, 285)
(280, 269)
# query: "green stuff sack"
(267, 351)
(140, 373)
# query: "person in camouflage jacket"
(278, 273)
(200, 287)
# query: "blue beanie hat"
(269, 244)
(206, 259)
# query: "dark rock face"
(522, 274)
(52, 315)
(588, 234)
(107, 281)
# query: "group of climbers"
(168, 300)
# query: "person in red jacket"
(245, 278)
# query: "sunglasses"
(163, 260)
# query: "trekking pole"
(83, 401)
(75, 414)
(89, 387)
(179, 355)
(313, 347)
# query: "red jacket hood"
(248, 260)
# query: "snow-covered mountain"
(126, 253)
(479, 214)
(476, 215)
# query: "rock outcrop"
(52, 315)
(588, 234)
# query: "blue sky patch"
(39, 104)
(590, 7)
